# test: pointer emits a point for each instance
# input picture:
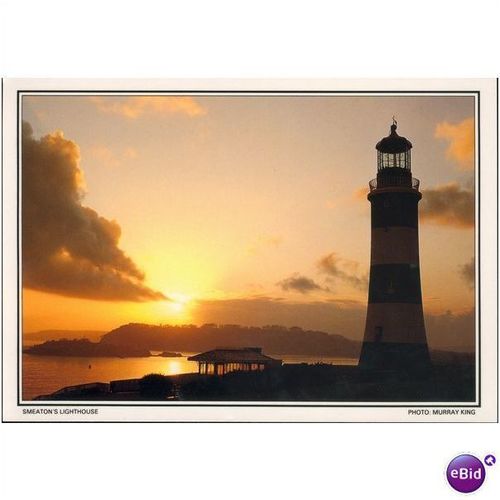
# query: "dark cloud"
(299, 283)
(467, 272)
(448, 331)
(448, 204)
(344, 270)
(68, 248)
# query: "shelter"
(229, 359)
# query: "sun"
(178, 302)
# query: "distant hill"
(138, 339)
(44, 335)
(274, 339)
(85, 348)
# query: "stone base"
(395, 356)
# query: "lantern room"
(394, 151)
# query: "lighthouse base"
(408, 357)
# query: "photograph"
(263, 230)
(280, 247)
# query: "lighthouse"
(395, 331)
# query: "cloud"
(448, 204)
(460, 137)
(344, 270)
(298, 283)
(361, 193)
(68, 248)
(467, 272)
(136, 106)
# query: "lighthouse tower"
(395, 330)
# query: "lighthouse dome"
(394, 143)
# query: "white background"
(261, 39)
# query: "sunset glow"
(179, 304)
(248, 210)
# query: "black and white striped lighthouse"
(395, 330)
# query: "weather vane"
(394, 121)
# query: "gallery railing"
(396, 181)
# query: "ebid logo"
(466, 473)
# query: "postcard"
(317, 250)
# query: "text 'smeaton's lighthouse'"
(395, 331)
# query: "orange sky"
(229, 207)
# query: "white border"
(240, 411)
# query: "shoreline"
(289, 382)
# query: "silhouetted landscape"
(290, 382)
(85, 348)
(137, 339)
